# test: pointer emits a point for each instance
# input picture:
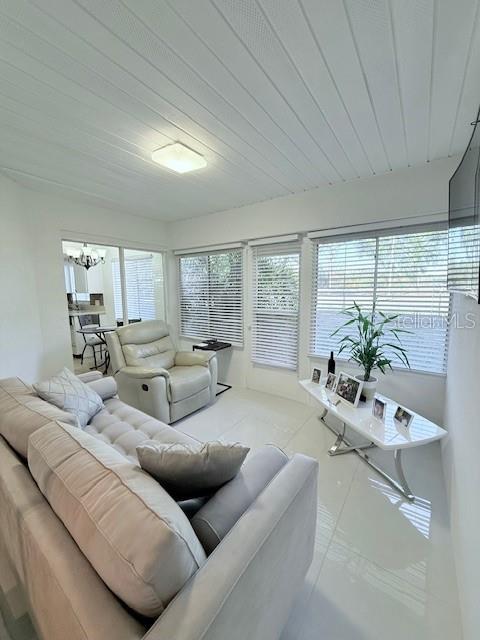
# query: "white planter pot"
(369, 387)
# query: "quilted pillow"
(69, 393)
(191, 470)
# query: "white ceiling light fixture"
(179, 158)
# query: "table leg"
(401, 475)
(336, 450)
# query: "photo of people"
(403, 417)
(316, 375)
(348, 388)
(331, 382)
(378, 409)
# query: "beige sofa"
(243, 589)
(156, 378)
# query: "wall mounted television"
(464, 221)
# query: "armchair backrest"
(142, 344)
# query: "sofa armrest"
(90, 376)
(145, 372)
(190, 358)
(106, 387)
(248, 585)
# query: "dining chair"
(92, 341)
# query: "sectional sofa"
(101, 551)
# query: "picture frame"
(348, 388)
(378, 409)
(403, 417)
(316, 375)
(331, 382)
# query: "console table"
(214, 346)
(385, 434)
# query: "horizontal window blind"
(344, 273)
(276, 285)
(412, 282)
(401, 274)
(211, 295)
(464, 258)
(139, 280)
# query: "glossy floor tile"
(382, 567)
(355, 599)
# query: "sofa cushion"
(125, 427)
(69, 393)
(191, 470)
(22, 412)
(218, 516)
(187, 381)
(134, 535)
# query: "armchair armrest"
(145, 372)
(190, 358)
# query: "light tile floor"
(383, 567)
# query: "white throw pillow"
(69, 393)
(191, 470)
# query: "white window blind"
(211, 295)
(344, 272)
(276, 274)
(464, 258)
(139, 277)
(398, 273)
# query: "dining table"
(100, 332)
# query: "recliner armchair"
(155, 378)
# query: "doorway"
(107, 287)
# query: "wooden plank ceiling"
(280, 96)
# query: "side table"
(214, 345)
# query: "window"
(144, 285)
(276, 272)
(398, 273)
(211, 295)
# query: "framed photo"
(403, 416)
(349, 388)
(316, 375)
(331, 382)
(378, 409)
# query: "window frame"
(117, 275)
(273, 249)
(208, 333)
(377, 235)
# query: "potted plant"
(370, 346)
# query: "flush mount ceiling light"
(179, 158)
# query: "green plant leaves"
(373, 336)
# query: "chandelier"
(86, 256)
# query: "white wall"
(21, 348)
(35, 283)
(408, 193)
(461, 457)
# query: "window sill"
(313, 356)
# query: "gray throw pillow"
(69, 393)
(191, 470)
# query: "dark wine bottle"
(331, 363)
